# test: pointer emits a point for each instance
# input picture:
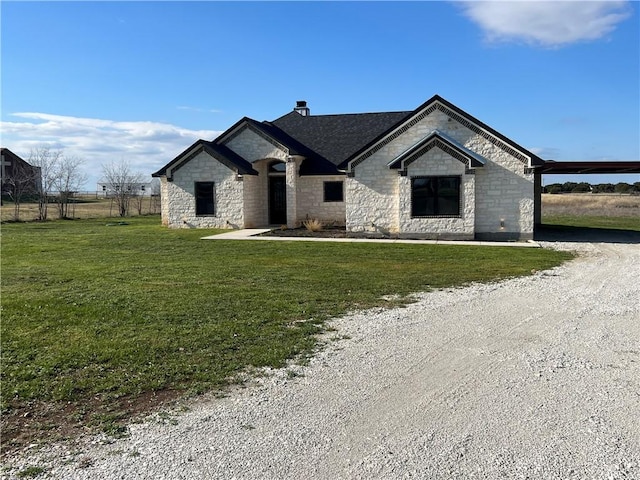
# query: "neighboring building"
(143, 189)
(18, 177)
(434, 172)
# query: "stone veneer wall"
(504, 200)
(503, 191)
(311, 202)
(164, 201)
(180, 207)
(255, 197)
(261, 153)
(438, 163)
(372, 199)
(251, 146)
(292, 178)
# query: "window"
(205, 200)
(435, 196)
(277, 167)
(334, 191)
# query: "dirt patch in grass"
(39, 422)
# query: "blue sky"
(140, 81)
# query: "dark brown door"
(277, 200)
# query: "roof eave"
(475, 160)
(163, 171)
(533, 160)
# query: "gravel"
(534, 377)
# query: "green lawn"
(94, 313)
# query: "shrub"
(313, 224)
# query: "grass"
(99, 322)
(602, 211)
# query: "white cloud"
(146, 145)
(546, 23)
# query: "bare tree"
(122, 184)
(138, 197)
(22, 182)
(154, 198)
(48, 161)
(68, 179)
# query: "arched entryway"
(277, 187)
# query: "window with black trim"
(205, 198)
(435, 197)
(334, 191)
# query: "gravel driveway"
(535, 377)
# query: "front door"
(277, 200)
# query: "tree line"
(584, 187)
(58, 177)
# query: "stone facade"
(251, 146)
(496, 181)
(311, 202)
(497, 199)
(255, 197)
(179, 207)
(438, 163)
(305, 195)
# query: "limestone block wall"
(372, 199)
(373, 203)
(503, 191)
(181, 206)
(256, 200)
(164, 201)
(504, 200)
(252, 147)
(293, 166)
(311, 202)
(438, 163)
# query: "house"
(137, 188)
(18, 177)
(433, 172)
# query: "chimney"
(301, 108)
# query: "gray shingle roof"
(330, 142)
(337, 137)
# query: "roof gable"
(332, 144)
(14, 158)
(438, 103)
(445, 143)
(224, 155)
(258, 128)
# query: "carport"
(573, 168)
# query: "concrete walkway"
(254, 234)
